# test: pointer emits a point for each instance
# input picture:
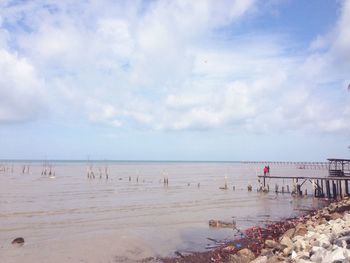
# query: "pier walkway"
(330, 187)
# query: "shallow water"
(70, 218)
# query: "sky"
(220, 80)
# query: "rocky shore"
(320, 236)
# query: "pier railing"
(298, 165)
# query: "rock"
(337, 229)
(310, 228)
(346, 217)
(245, 252)
(294, 255)
(301, 260)
(312, 235)
(303, 255)
(341, 209)
(332, 207)
(316, 249)
(300, 231)
(299, 245)
(218, 223)
(271, 243)
(235, 259)
(266, 252)
(287, 251)
(322, 241)
(261, 259)
(335, 216)
(287, 245)
(238, 259)
(322, 221)
(243, 256)
(18, 241)
(326, 216)
(335, 256)
(319, 254)
(343, 241)
(286, 241)
(289, 233)
(273, 259)
(320, 228)
(309, 223)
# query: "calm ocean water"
(70, 218)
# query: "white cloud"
(20, 89)
(165, 65)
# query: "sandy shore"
(319, 236)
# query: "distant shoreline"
(143, 161)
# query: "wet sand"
(318, 236)
(72, 218)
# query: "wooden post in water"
(340, 189)
(328, 190)
(322, 192)
(287, 188)
(346, 187)
(334, 190)
(264, 181)
(315, 187)
(299, 192)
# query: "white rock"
(301, 260)
(320, 228)
(310, 228)
(339, 221)
(322, 241)
(294, 255)
(320, 255)
(261, 259)
(315, 249)
(299, 245)
(311, 234)
(346, 217)
(303, 255)
(335, 255)
(337, 229)
(346, 253)
(296, 238)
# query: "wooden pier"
(323, 187)
(336, 185)
(298, 165)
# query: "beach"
(319, 236)
(132, 216)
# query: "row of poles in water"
(46, 169)
(101, 172)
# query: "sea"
(128, 211)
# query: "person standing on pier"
(265, 170)
(268, 169)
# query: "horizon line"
(145, 160)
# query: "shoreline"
(262, 244)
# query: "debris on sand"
(320, 236)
